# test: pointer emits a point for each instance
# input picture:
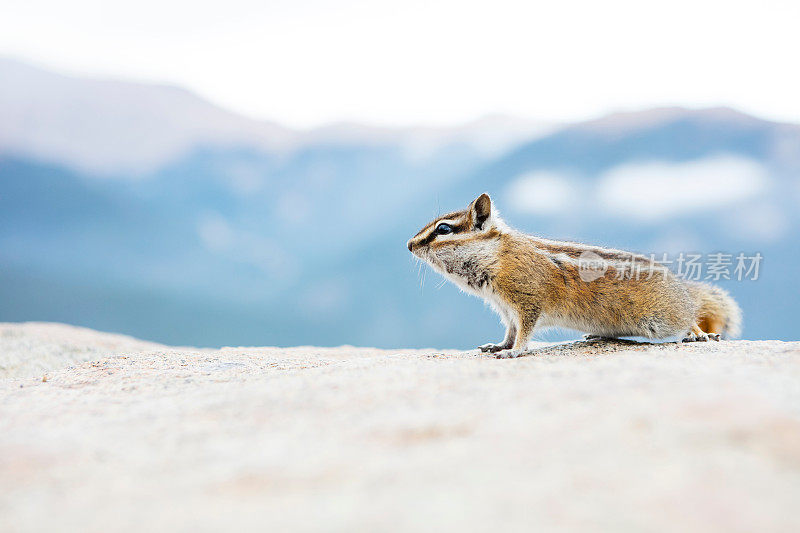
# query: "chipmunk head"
(451, 239)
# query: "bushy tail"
(717, 311)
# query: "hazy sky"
(305, 62)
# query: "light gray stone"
(126, 435)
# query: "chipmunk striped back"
(535, 283)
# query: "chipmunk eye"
(444, 229)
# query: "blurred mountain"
(488, 136)
(120, 128)
(241, 232)
(110, 126)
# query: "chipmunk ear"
(481, 210)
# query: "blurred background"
(248, 173)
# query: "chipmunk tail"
(717, 311)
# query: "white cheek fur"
(450, 262)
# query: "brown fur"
(534, 282)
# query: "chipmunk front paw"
(491, 347)
(509, 354)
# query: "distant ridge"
(114, 127)
(109, 126)
(624, 122)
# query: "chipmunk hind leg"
(712, 326)
(696, 334)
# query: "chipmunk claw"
(490, 347)
(509, 354)
(692, 337)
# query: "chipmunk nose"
(410, 246)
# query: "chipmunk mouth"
(428, 257)
(416, 249)
(420, 252)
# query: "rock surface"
(101, 432)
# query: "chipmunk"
(535, 283)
